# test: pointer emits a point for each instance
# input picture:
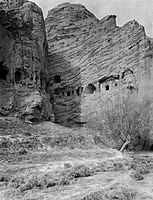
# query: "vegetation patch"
(24, 183)
(117, 191)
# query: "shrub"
(22, 151)
(57, 179)
(117, 191)
(16, 182)
(67, 165)
(136, 175)
(79, 171)
(32, 182)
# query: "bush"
(117, 191)
(22, 151)
(32, 182)
(16, 182)
(67, 165)
(120, 192)
(82, 171)
(136, 175)
(57, 179)
(78, 171)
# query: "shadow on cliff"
(65, 89)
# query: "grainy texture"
(90, 58)
(23, 60)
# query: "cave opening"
(57, 79)
(127, 71)
(78, 91)
(68, 93)
(90, 89)
(107, 87)
(18, 75)
(3, 71)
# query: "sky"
(125, 10)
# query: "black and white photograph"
(76, 100)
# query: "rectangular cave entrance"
(18, 75)
(3, 71)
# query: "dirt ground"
(49, 162)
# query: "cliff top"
(78, 12)
(75, 12)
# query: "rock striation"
(23, 61)
(92, 59)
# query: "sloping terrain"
(47, 161)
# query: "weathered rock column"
(23, 60)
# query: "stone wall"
(91, 59)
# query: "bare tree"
(124, 119)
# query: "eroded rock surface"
(23, 60)
(91, 59)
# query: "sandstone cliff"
(23, 61)
(91, 59)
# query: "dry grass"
(46, 161)
(117, 191)
(58, 178)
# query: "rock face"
(23, 61)
(91, 59)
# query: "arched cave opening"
(90, 89)
(78, 91)
(107, 87)
(57, 79)
(3, 71)
(127, 71)
(18, 75)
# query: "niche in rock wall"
(68, 93)
(18, 75)
(57, 79)
(107, 87)
(57, 91)
(126, 72)
(90, 89)
(3, 71)
(78, 91)
(130, 87)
